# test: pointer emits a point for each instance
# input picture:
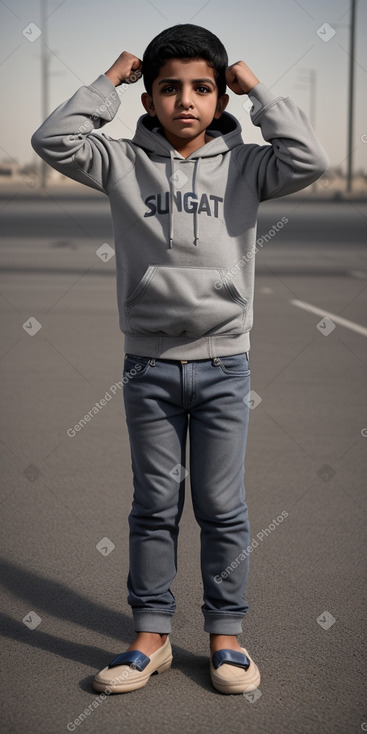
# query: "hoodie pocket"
(185, 302)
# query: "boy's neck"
(186, 147)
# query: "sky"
(279, 39)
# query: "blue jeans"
(164, 399)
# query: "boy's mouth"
(185, 117)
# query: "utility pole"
(308, 80)
(44, 85)
(351, 96)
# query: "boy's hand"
(127, 68)
(240, 78)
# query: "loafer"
(132, 669)
(233, 672)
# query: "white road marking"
(337, 319)
(361, 274)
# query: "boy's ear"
(147, 102)
(221, 105)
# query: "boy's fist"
(240, 78)
(127, 68)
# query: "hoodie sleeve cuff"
(261, 97)
(108, 92)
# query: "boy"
(184, 194)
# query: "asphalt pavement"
(66, 493)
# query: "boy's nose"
(185, 98)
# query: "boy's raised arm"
(64, 139)
(295, 158)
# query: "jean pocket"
(236, 365)
(135, 365)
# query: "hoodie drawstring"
(171, 187)
(196, 218)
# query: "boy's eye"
(199, 88)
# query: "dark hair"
(185, 41)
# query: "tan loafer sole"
(124, 678)
(232, 679)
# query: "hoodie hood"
(226, 133)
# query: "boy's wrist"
(252, 86)
(249, 81)
(113, 77)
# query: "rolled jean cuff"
(223, 624)
(152, 621)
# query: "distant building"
(11, 169)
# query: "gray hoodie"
(184, 228)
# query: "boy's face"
(185, 99)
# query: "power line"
(44, 84)
(351, 96)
